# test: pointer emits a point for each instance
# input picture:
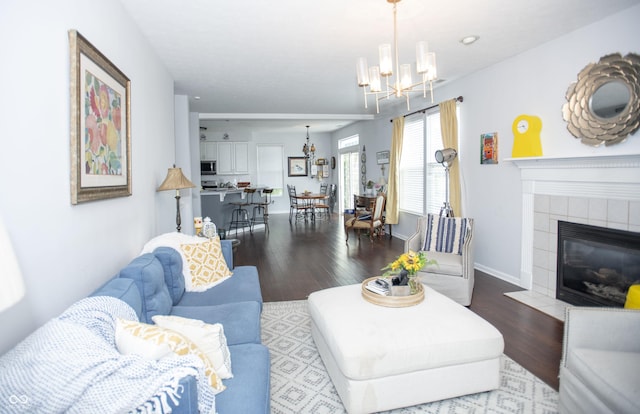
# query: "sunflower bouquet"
(404, 268)
(410, 262)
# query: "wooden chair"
(371, 221)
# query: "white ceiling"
(296, 58)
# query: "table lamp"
(10, 277)
(175, 180)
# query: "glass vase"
(414, 284)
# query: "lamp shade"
(10, 277)
(446, 155)
(175, 180)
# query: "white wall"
(535, 83)
(67, 251)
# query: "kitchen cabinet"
(208, 151)
(233, 158)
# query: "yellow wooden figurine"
(526, 136)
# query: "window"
(271, 168)
(351, 141)
(436, 191)
(422, 179)
(411, 190)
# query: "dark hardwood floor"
(294, 260)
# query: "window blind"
(270, 168)
(411, 171)
(435, 193)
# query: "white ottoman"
(383, 358)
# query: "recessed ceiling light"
(467, 40)
(197, 98)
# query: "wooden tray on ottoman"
(391, 301)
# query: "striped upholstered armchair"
(449, 241)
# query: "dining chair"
(370, 220)
(296, 210)
(322, 205)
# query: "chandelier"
(402, 85)
(309, 151)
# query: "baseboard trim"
(498, 274)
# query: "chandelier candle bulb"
(405, 76)
(386, 65)
(432, 73)
(362, 71)
(422, 50)
(374, 79)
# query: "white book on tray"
(379, 286)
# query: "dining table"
(310, 200)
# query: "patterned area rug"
(300, 383)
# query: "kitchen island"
(216, 204)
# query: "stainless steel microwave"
(207, 168)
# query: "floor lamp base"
(446, 210)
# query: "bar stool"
(240, 215)
(261, 208)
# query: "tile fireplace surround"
(600, 191)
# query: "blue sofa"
(153, 284)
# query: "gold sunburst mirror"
(603, 106)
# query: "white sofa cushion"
(446, 264)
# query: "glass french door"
(349, 179)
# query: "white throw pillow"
(209, 338)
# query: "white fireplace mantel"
(615, 177)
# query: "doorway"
(349, 178)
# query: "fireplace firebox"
(596, 265)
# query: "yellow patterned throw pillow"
(128, 332)
(206, 264)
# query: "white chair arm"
(612, 329)
(416, 240)
(468, 260)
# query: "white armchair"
(600, 366)
(448, 240)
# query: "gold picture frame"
(100, 125)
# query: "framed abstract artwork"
(100, 125)
(297, 167)
(489, 148)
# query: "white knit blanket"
(71, 364)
